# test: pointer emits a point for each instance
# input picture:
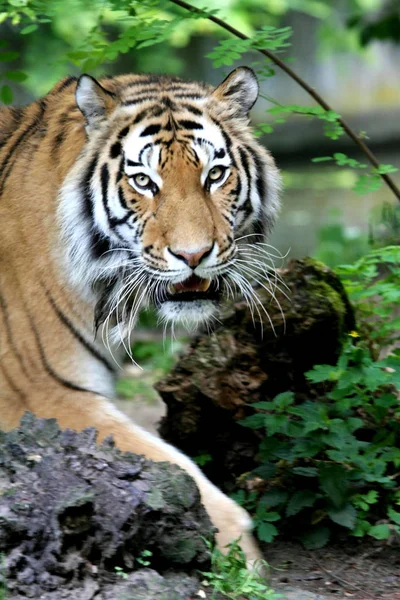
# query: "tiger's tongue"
(192, 284)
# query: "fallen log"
(76, 518)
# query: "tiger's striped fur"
(111, 193)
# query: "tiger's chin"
(189, 313)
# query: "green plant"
(230, 576)
(144, 558)
(333, 459)
(120, 573)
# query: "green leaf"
(345, 516)
(361, 528)
(282, 401)
(333, 480)
(316, 538)
(300, 500)
(266, 532)
(16, 75)
(275, 423)
(380, 532)
(6, 94)
(273, 498)
(266, 471)
(323, 373)
(395, 516)
(253, 421)
(263, 405)
(305, 471)
(28, 29)
(8, 56)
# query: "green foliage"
(229, 576)
(369, 182)
(331, 461)
(155, 358)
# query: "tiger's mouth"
(193, 288)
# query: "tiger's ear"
(240, 87)
(93, 100)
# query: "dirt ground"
(361, 570)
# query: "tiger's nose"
(192, 259)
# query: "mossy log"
(71, 511)
(242, 362)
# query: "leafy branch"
(311, 91)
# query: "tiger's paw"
(235, 525)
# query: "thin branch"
(311, 91)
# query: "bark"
(242, 362)
(72, 511)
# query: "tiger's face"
(172, 181)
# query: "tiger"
(119, 194)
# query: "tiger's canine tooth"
(204, 284)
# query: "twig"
(311, 91)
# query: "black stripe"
(246, 207)
(12, 385)
(133, 101)
(192, 109)
(122, 198)
(191, 96)
(66, 83)
(120, 171)
(68, 323)
(219, 153)
(141, 115)
(35, 123)
(260, 181)
(56, 143)
(3, 306)
(132, 163)
(49, 370)
(245, 164)
(87, 189)
(115, 150)
(112, 221)
(186, 124)
(104, 179)
(99, 244)
(151, 130)
(123, 133)
(143, 149)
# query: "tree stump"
(222, 374)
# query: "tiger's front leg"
(79, 410)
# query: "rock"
(72, 511)
(242, 362)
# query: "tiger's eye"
(216, 174)
(142, 180)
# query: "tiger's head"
(162, 203)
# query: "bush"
(332, 464)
